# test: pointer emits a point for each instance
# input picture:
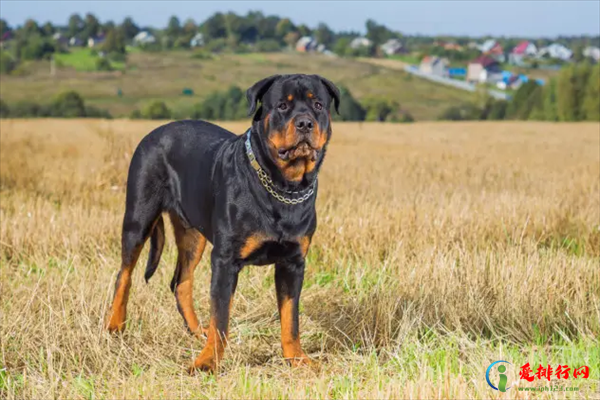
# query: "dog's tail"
(157, 242)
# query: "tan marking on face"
(290, 97)
(310, 95)
(302, 160)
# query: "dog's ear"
(334, 92)
(257, 91)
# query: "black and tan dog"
(252, 196)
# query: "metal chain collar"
(268, 184)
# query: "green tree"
(69, 105)
(324, 35)
(91, 26)
(129, 28)
(350, 109)
(571, 91)
(7, 64)
(549, 106)
(157, 110)
(291, 38)
(377, 33)
(578, 53)
(48, 29)
(451, 113)
(498, 110)
(107, 26)
(102, 64)
(566, 95)
(284, 26)
(341, 46)
(30, 28)
(377, 110)
(173, 28)
(214, 27)
(4, 109)
(36, 48)
(591, 104)
(4, 27)
(114, 42)
(527, 97)
(76, 25)
(304, 30)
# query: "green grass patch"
(83, 60)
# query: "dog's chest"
(261, 249)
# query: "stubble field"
(441, 248)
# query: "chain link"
(267, 182)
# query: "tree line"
(231, 104)
(229, 31)
(573, 95)
(68, 104)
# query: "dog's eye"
(282, 106)
(318, 106)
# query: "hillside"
(163, 76)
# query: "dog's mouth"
(301, 150)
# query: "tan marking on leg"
(190, 247)
(292, 351)
(118, 315)
(304, 242)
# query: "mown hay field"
(441, 248)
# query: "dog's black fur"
(200, 174)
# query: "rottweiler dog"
(252, 196)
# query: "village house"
(592, 52)
(434, 65)
(484, 69)
(521, 51)
(96, 40)
(6, 37)
(453, 46)
(557, 51)
(511, 81)
(393, 46)
(197, 40)
(144, 37)
(359, 42)
(306, 44)
(76, 42)
(60, 39)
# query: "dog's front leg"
(288, 283)
(222, 287)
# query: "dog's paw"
(204, 362)
(115, 325)
(300, 360)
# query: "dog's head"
(293, 120)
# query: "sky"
(473, 18)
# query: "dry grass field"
(441, 248)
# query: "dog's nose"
(304, 124)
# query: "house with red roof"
(484, 69)
(6, 36)
(521, 51)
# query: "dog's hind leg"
(141, 218)
(190, 246)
